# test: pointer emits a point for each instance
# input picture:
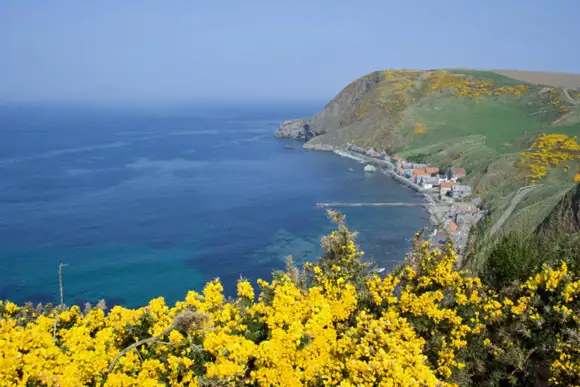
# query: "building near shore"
(428, 182)
(445, 187)
(452, 226)
(418, 173)
(432, 170)
(460, 191)
(456, 173)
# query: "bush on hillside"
(332, 323)
(511, 259)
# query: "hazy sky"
(187, 51)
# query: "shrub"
(513, 258)
(333, 323)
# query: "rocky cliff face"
(294, 129)
(337, 116)
(298, 129)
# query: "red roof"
(419, 172)
(432, 169)
(447, 184)
(452, 226)
(458, 171)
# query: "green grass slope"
(480, 120)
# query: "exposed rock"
(370, 168)
(319, 147)
(298, 129)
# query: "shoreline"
(440, 212)
(387, 169)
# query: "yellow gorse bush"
(548, 150)
(335, 323)
(465, 86)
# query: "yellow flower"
(10, 308)
(213, 294)
(245, 290)
(175, 337)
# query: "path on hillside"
(520, 194)
(569, 98)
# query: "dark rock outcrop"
(340, 116)
(295, 129)
(298, 129)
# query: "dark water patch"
(21, 294)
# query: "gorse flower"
(245, 290)
(426, 324)
(548, 150)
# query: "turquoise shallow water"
(141, 204)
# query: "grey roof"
(460, 188)
(430, 180)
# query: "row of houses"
(430, 178)
(458, 216)
(427, 177)
(457, 222)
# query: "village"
(453, 209)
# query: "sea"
(142, 203)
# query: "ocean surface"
(148, 203)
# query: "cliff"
(478, 120)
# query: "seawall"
(402, 180)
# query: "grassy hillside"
(480, 120)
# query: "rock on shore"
(319, 147)
(295, 129)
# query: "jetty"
(391, 204)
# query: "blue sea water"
(148, 203)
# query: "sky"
(148, 52)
